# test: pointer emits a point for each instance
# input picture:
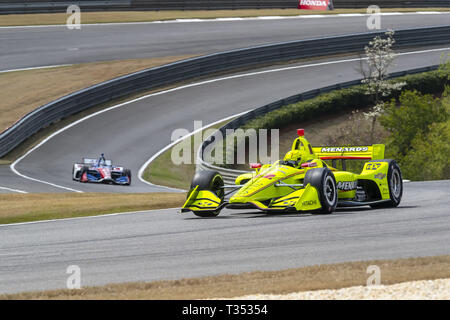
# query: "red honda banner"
(315, 4)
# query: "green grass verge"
(162, 171)
(35, 207)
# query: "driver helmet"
(102, 160)
(293, 157)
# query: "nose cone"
(252, 191)
(237, 199)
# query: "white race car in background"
(100, 170)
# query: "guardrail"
(229, 175)
(208, 65)
(43, 6)
(391, 4)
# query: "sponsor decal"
(380, 176)
(373, 166)
(315, 4)
(104, 172)
(309, 203)
(344, 149)
(347, 185)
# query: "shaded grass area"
(24, 91)
(34, 207)
(162, 171)
(145, 16)
(330, 276)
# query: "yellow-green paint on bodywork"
(203, 200)
(281, 186)
(304, 199)
(377, 172)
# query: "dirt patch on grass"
(332, 276)
(24, 91)
(34, 207)
(146, 16)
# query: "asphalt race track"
(167, 245)
(42, 46)
(144, 127)
(151, 121)
(163, 244)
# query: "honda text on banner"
(315, 4)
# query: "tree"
(429, 157)
(444, 68)
(412, 118)
(380, 56)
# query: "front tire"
(84, 170)
(211, 181)
(325, 183)
(127, 173)
(395, 184)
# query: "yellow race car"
(303, 181)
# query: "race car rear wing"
(374, 152)
(95, 161)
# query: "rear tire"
(325, 183)
(395, 184)
(211, 181)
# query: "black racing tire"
(127, 173)
(395, 184)
(206, 214)
(325, 183)
(212, 181)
